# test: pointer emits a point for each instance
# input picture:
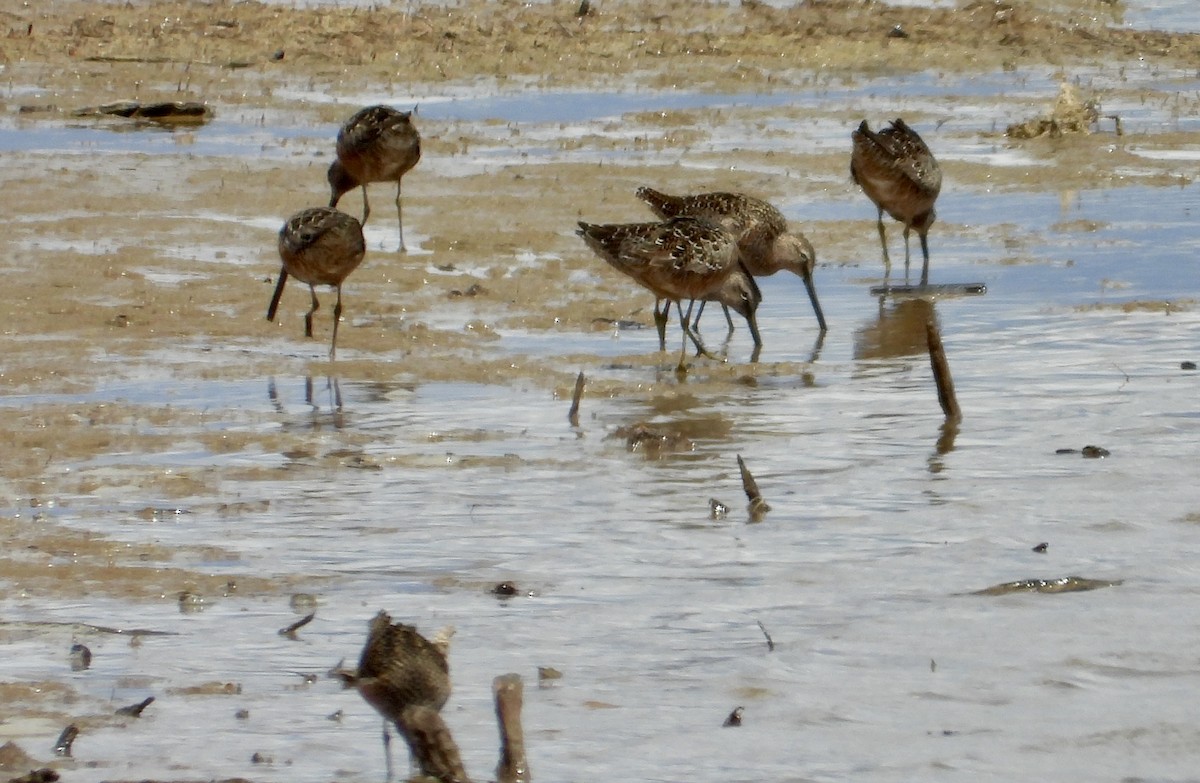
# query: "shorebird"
(896, 170)
(764, 241)
(377, 144)
(406, 678)
(319, 246)
(678, 259)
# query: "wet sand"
(120, 265)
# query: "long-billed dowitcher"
(896, 170)
(678, 259)
(765, 243)
(319, 246)
(400, 673)
(377, 144)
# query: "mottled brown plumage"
(896, 170)
(318, 246)
(377, 144)
(764, 241)
(678, 259)
(406, 678)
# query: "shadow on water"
(898, 330)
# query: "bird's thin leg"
(660, 323)
(695, 338)
(387, 751)
(906, 256)
(728, 317)
(400, 219)
(337, 316)
(887, 262)
(308, 317)
(271, 308)
(925, 249)
(366, 206)
(683, 322)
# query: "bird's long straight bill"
(283, 276)
(811, 287)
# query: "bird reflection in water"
(335, 415)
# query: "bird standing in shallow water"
(896, 170)
(763, 238)
(319, 246)
(681, 258)
(406, 678)
(377, 144)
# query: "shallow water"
(417, 497)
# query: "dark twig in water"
(573, 414)
(941, 372)
(63, 746)
(290, 631)
(508, 690)
(735, 717)
(770, 641)
(758, 506)
(135, 710)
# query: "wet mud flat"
(178, 465)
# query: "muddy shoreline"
(130, 265)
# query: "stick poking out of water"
(573, 414)
(941, 372)
(758, 506)
(507, 690)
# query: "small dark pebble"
(81, 657)
(1187, 365)
(505, 590)
(242, 714)
(1042, 547)
(735, 717)
(548, 673)
(897, 32)
(1094, 452)
(261, 758)
(336, 716)
(278, 55)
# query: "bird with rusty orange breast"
(377, 144)
(897, 171)
(318, 246)
(678, 259)
(764, 241)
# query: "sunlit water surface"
(883, 668)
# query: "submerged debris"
(1064, 584)
(80, 657)
(167, 113)
(653, 440)
(573, 413)
(1087, 452)
(758, 506)
(290, 631)
(62, 746)
(135, 710)
(735, 717)
(1041, 548)
(1070, 114)
(717, 509)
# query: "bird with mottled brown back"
(678, 259)
(377, 144)
(897, 171)
(318, 246)
(765, 243)
(404, 676)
